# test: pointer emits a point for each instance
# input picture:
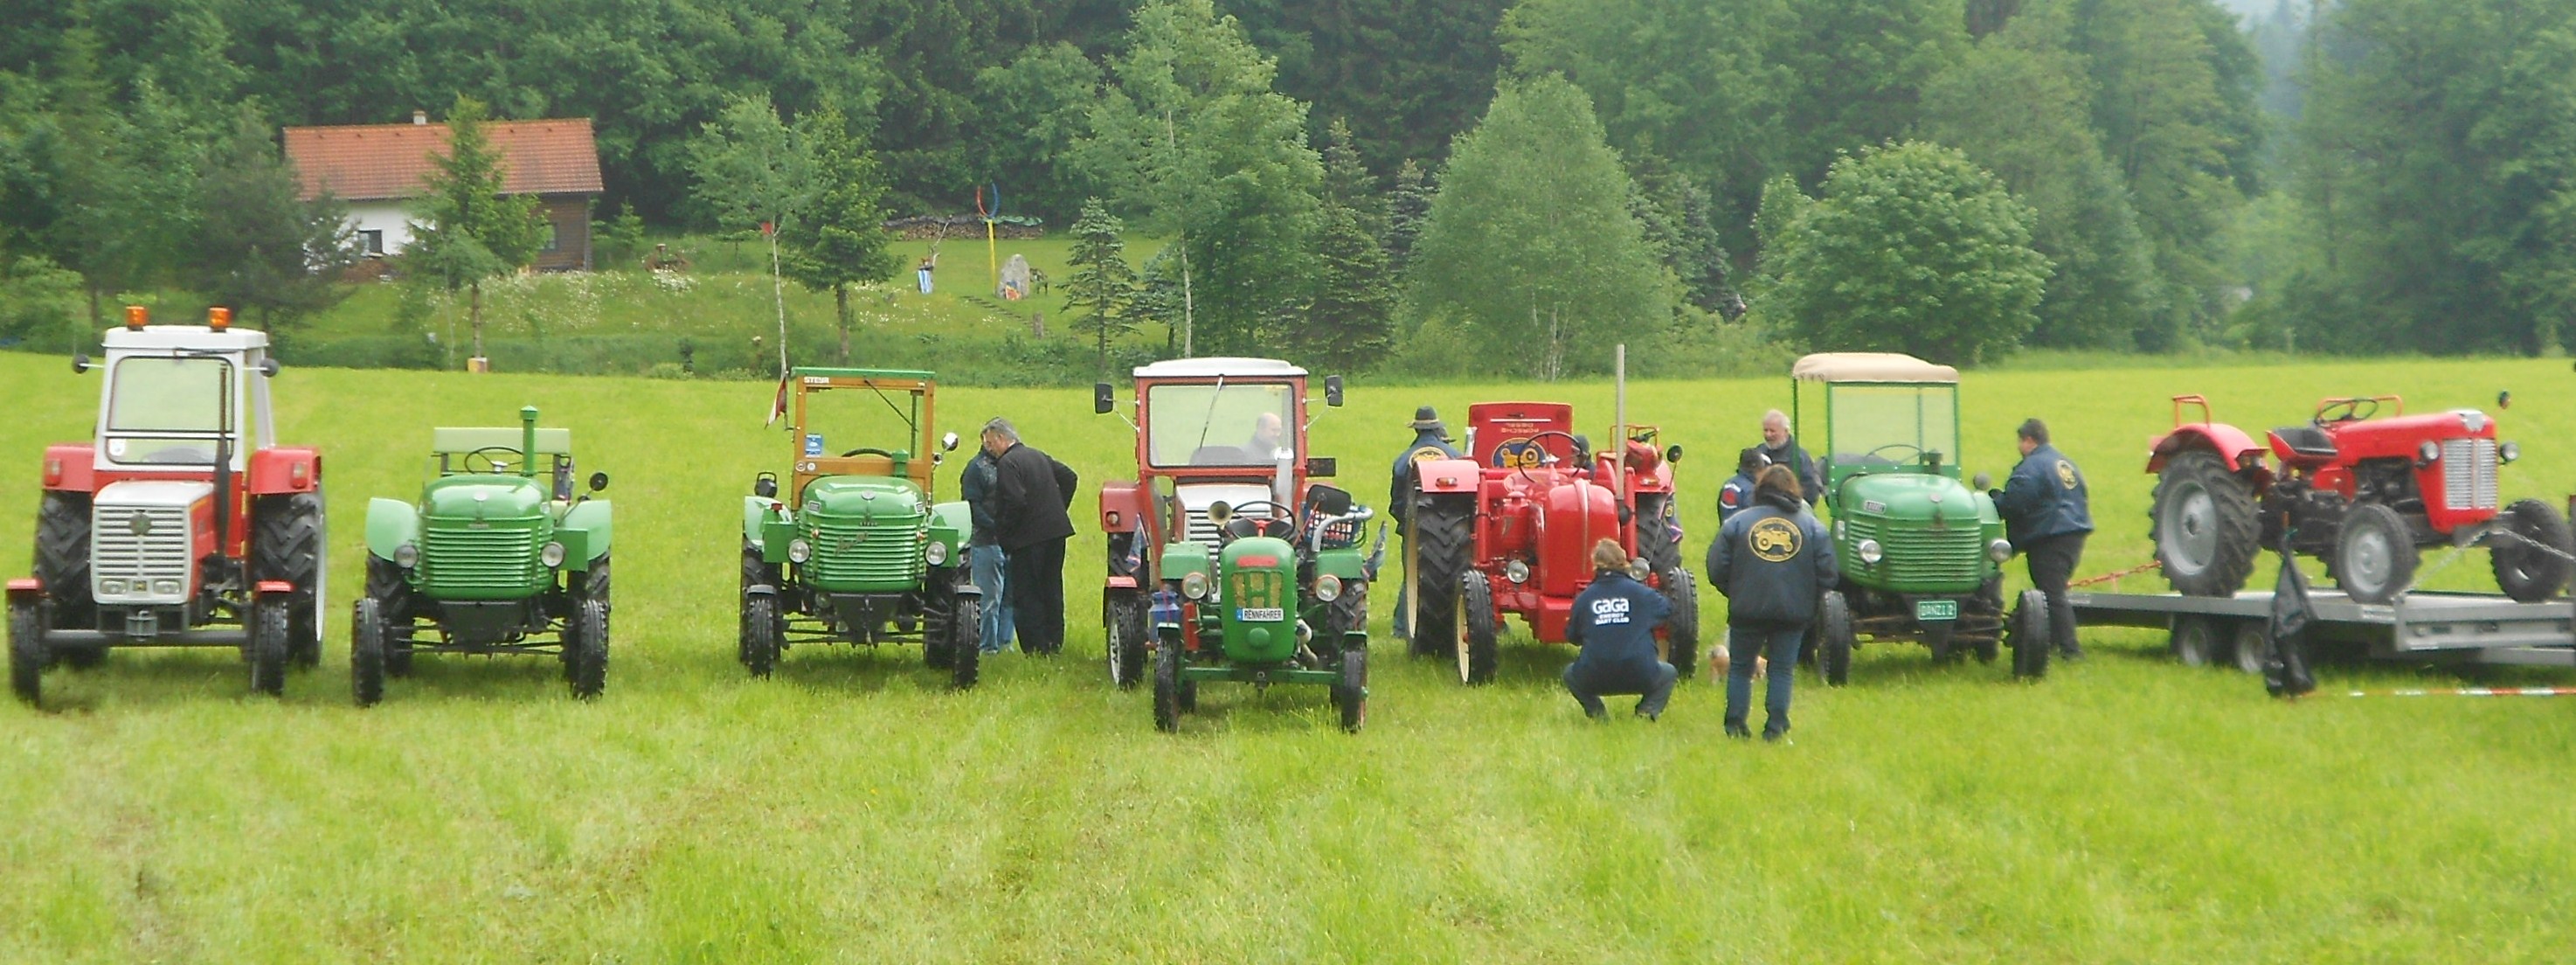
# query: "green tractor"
(1281, 597)
(856, 550)
(1921, 554)
(497, 557)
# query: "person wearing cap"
(1782, 449)
(2047, 515)
(1614, 621)
(1430, 441)
(1032, 503)
(1772, 562)
(1737, 494)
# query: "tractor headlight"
(2428, 452)
(936, 553)
(1328, 588)
(407, 556)
(552, 555)
(1195, 586)
(2508, 452)
(1516, 571)
(1870, 552)
(1638, 571)
(798, 551)
(1999, 550)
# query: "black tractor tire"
(1991, 596)
(27, 652)
(1834, 639)
(394, 605)
(1655, 542)
(366, 652)
(595, 586)
(2374, 554)
(62, 558)
(1446, 527)
(1350, 695)
(588, 640)
(1477, 640)
(272, 625)
(2196, 641)
(287, 543)
(1681, 626)
(2029, 632)
(1940, 639)
(1124, 614)
(1346, 613)
(2203, 524)
(965, 639)
(757, 637)
(2527, 565)
(1167, 688)
(938, 642)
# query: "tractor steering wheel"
(1277, 524)
(490, 465)
(2346, 410)
(867, 452)
(1907, 446)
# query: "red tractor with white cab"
(1509, 529)
(182, 523)
(2363, 488)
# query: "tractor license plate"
(1256, 614)
(1929, 610)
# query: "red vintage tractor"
(1509, 530)
(182, 523)
(2362, 489)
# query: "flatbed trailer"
(2424, 627)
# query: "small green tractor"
(1280, 597)
(498, 556)
(1921, 554)
(856, 550)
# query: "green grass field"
(851, 808)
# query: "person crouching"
(1772, 561)
(1614, 621)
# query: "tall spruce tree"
(468, 229)
(1102, 280)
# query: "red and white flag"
(778, 406)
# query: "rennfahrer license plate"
(1254, 614)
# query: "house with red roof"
(378, 170)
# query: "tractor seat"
(2305, 442)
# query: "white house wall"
(390, 217)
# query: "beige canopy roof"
(1870, 367)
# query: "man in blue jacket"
(978, 483)
(2047, 515)
(1737, 495)
(1614, 621)
(1430, 441)
(1772, 561)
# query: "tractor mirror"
(1329, 500)
(268, 367)
(948, 443)
(765, 487)
(2504, 400)
(1333, 391)
(1983, 481)
(80, 363)
(1322, 467)
(1673, 453)
(598, 481)
(1104, 399)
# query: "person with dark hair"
(1430, 441)
(1032, 518)
(1737, 494)
(2047, 515)
(1782, 449)
(1771, 561)
(1614, 621)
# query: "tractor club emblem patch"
(2066, 474)
(140, 524)
(1775, 540)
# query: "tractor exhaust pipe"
(528, 441)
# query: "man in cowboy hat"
(1430, 441)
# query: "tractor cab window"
(1880, 428)
(1205, 425)
(166, 411)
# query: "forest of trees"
(1352, 177)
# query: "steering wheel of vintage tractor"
(867, 452)
(2347, 410)
(1907, 446)
(490, 465)
(1242, 524)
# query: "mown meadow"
(851, 808)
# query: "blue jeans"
(1745, 641)
(1653, 682)
(989, 563)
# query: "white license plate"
(1260, 614)
(1936, 609)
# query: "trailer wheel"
(1834, 639)
(589, 643)
(366, 652)
(1124, 615)
(2195, 640)
(2203, 524)
(2374, 555)
(1445, 525)
(27, 652)
(1167, 688)
(2029, 642)
(2250, 647)
(271, 624)
(1351, 694)
(1477, 637)
(2525, 566)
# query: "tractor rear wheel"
(2374, 554)
(2203, 525)
(26, 651)
(366, 652)
(272, 623)
(964, 630)
(287, 544)
(1657, 543)
(1834, 639)
(1446, 527)
(2525, 555)
(386, 586)
(2029, 629)
(757, 637)
(589, 643)
(62, 557)
(1347, 612)
(1351, 694)
(1681, 626)
(1124, 614)
(1167, 688)
(1479, 651)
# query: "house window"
(554, 236)
(372, 242)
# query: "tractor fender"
(1183, 559)
(2239, 451)
(390, 524)
(283, 469)
(1348, 565)
(71, 468)
(755, 511)
(1442, 476)
(1124, 506)
(590, 518)
(952, 525)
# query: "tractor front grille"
(883, 555)
(151, 567)
(1202, 529)
(457, 561)
(1918, 558)
(2469, 473)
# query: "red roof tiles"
(372, 162)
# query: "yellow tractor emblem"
(1775, 540)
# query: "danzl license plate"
(1253, 614)
(1936, 609)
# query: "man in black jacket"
(1614, 620)
(1032, 496)
(1782, 449)
(2047, 515)
(1772, 561)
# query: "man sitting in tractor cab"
(1264, 444)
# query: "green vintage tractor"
(1281, 597)
(1921, 553)
(857, 550)
(499, 556)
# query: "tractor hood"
(1915, 496)
(484, 497)
(864, 497)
